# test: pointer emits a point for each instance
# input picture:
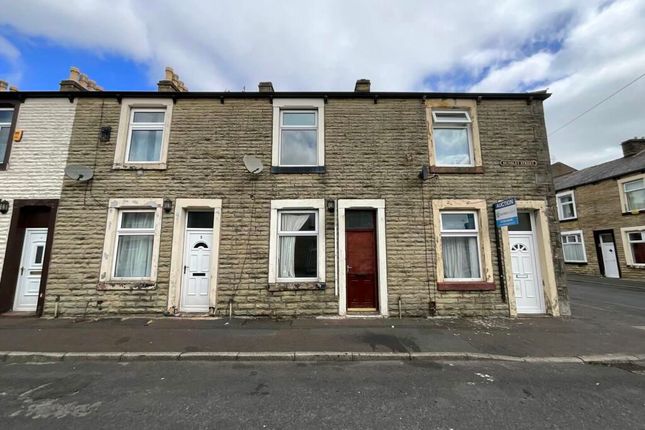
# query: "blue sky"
(581, 50)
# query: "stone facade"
(372, 151)
(36, 163)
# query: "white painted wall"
(37, 163)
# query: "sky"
(581, 51)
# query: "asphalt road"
(275, 395)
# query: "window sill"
(304, 169)
(457, 169)
(634, 212)
(296, 286)
(465, 286)
(126, 285)
(636, 266)
(568, 219)
(139, 166)
(577, 263)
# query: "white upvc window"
(566, 202)
(145, 135)
(634, 192)
(6, 118)
(453, 138)
(298, 133)
(460, 246)
(573, 247)
(134, 244)
(634, 244)
(297, 243)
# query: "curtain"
(134, 256)
(4, 138)
(460, 257)
(145, 145)
(573, 252)
(289, 222)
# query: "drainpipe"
(336, 248)
(56, 302)
(399, 307)
(500, 264)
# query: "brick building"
(368, 203)
(602, 215)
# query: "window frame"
(279, 207)
(15, 106)
(462, 233)
(124, 135)
(581, 242)
(560, 205)
(116, 207)
(454, 124)
(281, 106)
(152, 126)
(624, 203)
(629, 256)
(282, 233)
(121, 231)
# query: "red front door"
(360, 247)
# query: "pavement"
(608, 325)
(358, 395)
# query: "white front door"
(31, 269)
(529, 294)
(609, 259)
(197, 271)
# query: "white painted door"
(31, 269)
(608, 250)
(197, 271)
(529, 294)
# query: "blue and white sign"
(505, 213)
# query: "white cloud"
(407, 45)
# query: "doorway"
(198, 247)
(27, 256)
(527, 279)
(606, 252)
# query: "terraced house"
(290, 204)
(602, 215)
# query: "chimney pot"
(633, 146)
(362, 86)
(4, 85)
(266, 87)
(170, 82)
(78, 81)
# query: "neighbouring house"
(602, 215)
(34, 137)
(369, 203)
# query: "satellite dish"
(79, 173)
(253, 164)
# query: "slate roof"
(608, 170)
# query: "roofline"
(22, 95)
(631, 172)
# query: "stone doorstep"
(40, 357)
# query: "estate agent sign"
(505, 213)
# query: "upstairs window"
(634, 192)
(460, 246)
(6, 119)
(298, 135)
(566, 205)
(573, 247)
(452, 135)
(145, 137)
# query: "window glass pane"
(200, 219)
(145, 145)
(565, 199)
(460, 257)
(299, 147)
(635, 236)
(573, 252)
(134, 256)
(451, 116)
(606, 237)
(524, 219)
(298, 222)
(636, 199)
(149, 117)
(4, 138)
(298, 257)
(567, 211)
(138, 220)
(465, 221)
(638, 252)
(359, 219)
(6, 116)
(40, 250)
(299, 118)
(634, 185)
(452, 146)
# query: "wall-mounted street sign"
(505, 213)
(518, 163)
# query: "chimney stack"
(78, 81)
(265, 87)
(4, 85)
(171, 82)
(633, 146)
(362, 86)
